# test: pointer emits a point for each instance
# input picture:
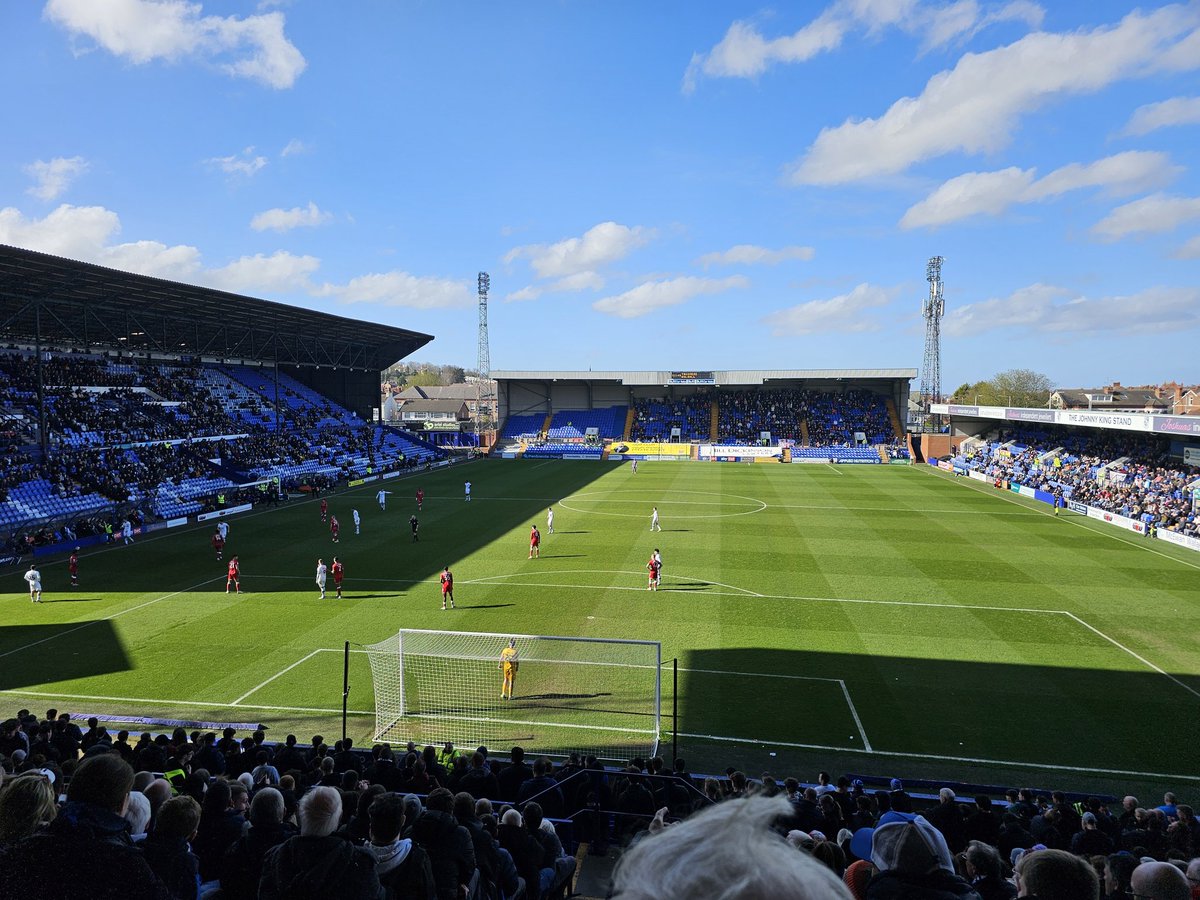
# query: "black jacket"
(451, 851)
(174, 863)
(241, 868)
(319, 867)
(87, 850)
(940, 885)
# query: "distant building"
(434, 415)
(472, 393)
(1171, 398)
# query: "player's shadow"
(46, 654)
(564, 555)
(73, 600)
(369, 596)
(686, 586)
(484, 605)
(572, 532)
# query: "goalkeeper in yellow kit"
(509, 664)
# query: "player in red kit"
(324, 509)
(420, 499)
(535, 542)
(334, 528)
(235, 576)
(338, 571)
(652, 566)
(447, 587)
(73, 567)
(218, 542)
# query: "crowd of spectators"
(742, 416)
(1128, 474)
(184, 814)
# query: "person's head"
(137, 813)
(239, 797)
(217, 797)
(511, 819)
(517, 754)
(512, 642)
(157, 792)
(483, 807)
(103, 781)
(1159, 881)
(532, 812)
(911, 847)
(1089, 821)
(386, 815)
(440, 800)
(1056, 875)
(1130, 803)
(464, 806)
(267, 807)
(1118, 870)
(179, 818)
(727, 844)
(477, 760)
(1168, 799)
(946, 795)
(320, 812)
(983, 861)
(26, 804)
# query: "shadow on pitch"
(952, 707)
(45, 654)
(73, 600)
(484, 605)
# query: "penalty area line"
(1088, 770)
(273, 677)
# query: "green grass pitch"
(873, 619)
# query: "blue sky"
(693, 185)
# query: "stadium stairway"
(894, 418)
(713, 431)
(804, 442)
(629, 417)
(883, 454)
(547, 423)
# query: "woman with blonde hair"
(26, 805)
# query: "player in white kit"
(357, 520)
(321, 577)
(382, 498)
(34, 577)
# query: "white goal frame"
(600, 696)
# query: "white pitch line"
(493, 579)
(854, 712)
(1134, 654)
(203, 703)
(109, 618)
(273, 677)
(959, 759)
(835, 468)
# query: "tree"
(1014, 387)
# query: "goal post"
(596, 696)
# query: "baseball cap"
(914, 847)
(896, 784)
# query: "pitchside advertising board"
(730, 453)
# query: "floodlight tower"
(483, 396)
(935, 307)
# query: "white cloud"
(751, 255)
(1155, 214)
(745, 53)
(652, 295)
(572, 284)
(600, 245)
(398, 288)
(85, 233)
(142, 31)
(1046, 308)
(846, 312)
(976, 106)
(287, 219)
(1190, 250)
(1152, 116)
(992, 193)
(53, 177)
(295, 147)
(245, 163)
(278, 273)
(969, 194)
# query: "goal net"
(590, 695)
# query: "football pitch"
(875, 619)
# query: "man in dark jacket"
(543, 788)
(86, 845)
(451, 852)
(485, 855)
(479, 781)
(913, 861)
(316, 863)
(241, 868)
(514, 775)
(947, 818)
(982, 823)
(166, 847)
(403, 867)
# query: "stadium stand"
(59, 781)
(653, 420)
(523, 426)
(1126, 473)
(573, 424)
